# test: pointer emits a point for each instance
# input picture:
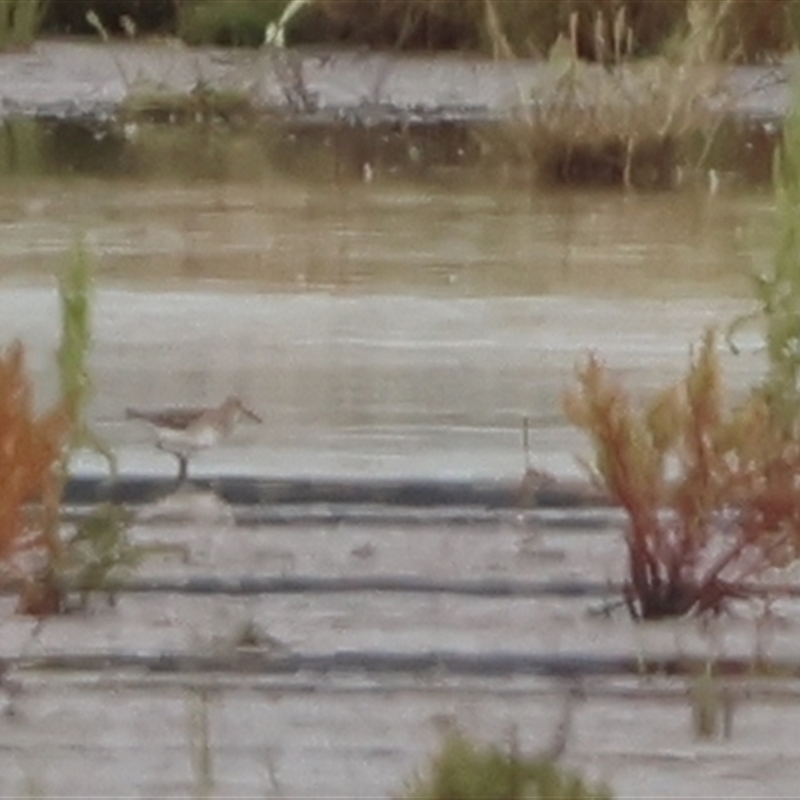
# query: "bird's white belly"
(185, 442)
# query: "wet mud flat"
(71, 79)
(344, 693)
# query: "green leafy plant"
(98, 551)
(73, 353)
(503, 28)
(275, 33)
(464, 770)
(778, 292)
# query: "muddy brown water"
(396, 328)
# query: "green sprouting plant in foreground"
(464, 770)
(779, 293)
(98, 550)
(73, 354)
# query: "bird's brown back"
(175, 418)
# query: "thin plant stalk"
(73, 354)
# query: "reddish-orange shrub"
(712, 493)
(30, 452)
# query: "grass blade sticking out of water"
(779, 294)
(73, 353)
(200, 742)
(99, 549)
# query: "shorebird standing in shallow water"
(184, 431)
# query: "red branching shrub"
(30, 451)
(731, 511)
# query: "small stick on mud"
(533, 480)
(556, 747)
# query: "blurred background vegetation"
(750, 30)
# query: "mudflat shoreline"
(68, 79)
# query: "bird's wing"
(177, 418)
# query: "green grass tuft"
(464, 770)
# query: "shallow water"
(118, 731)
(396, 327)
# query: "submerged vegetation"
(778, 292)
